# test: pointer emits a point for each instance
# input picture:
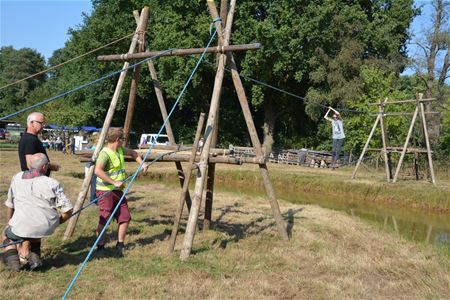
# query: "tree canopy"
(335, 52)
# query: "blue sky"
(40, 25)
(43, 25)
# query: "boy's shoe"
(120, 246)
(34, 261)
(11, 260)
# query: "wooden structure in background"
(206, 162)
(387, 150)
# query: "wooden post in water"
(112, 107)
(394, 222)
(429, 231)
(179, 212)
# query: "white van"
(150, 138)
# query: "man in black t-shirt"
(30, 144)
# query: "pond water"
(409, 223)
(427, 227)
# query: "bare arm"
(9, 213)
(326, 117)
(136, 157)
(65, 216)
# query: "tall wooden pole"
(405, 146)
(209, 196)
(112, 107)
(131, 103)
(427, 142)
(179, 212)
(170, 135)
(134, 82)
(203, 164)
(384, 139)
(375, 124)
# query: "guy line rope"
(65, 62)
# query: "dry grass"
(330, 255)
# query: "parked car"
(151, 138)
(2, 134)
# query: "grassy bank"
(330, 255)
(368, 187)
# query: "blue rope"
(82, 86)
(138, 169)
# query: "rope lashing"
(138, 169)
(82, 86)
(65, 62)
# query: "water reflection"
(408, 223)
(416, 231)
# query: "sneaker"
(11, 260)
(120, 246)
(34, 261)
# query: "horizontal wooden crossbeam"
(406, 113)
(402, 101)
(399, 150)
(185, 158)
(178, 52)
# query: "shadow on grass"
(238, 231)
(150, 240)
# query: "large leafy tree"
(313, 49)
(16, 65)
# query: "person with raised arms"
(338, 134)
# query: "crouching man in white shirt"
(36, 205)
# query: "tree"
(433, 65)
(308, 48)
(317, 51)
(15, 65)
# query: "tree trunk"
(435, 120)
(270, 117)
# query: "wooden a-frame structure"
(206, 163)
(386, 150)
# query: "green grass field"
(330, 254)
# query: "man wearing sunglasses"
(30, 144)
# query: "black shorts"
(10, 235)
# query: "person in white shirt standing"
(338, 134)
(35, 206)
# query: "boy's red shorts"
(107, 204)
